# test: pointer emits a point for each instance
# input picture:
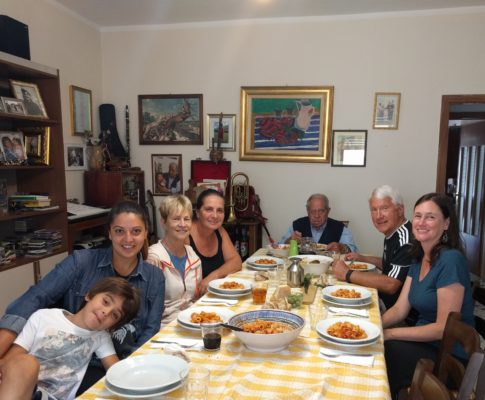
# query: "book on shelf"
(26, 197)
(36, 203)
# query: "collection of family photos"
(28, 145)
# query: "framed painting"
(170, 119)
(29, 93)
(12, 148)
(221, 126)
(36, 144)
(386, 110)
(287, 123)
(349, 148)
(81, 111)
(167, 174)
(75, 157)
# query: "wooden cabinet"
(253, 232)
(105, 188)
(44, 175)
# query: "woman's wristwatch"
(348, 274)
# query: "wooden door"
(470, 193)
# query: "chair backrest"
(455, 331)
(479, 296)
(474, 378)
(425, 386)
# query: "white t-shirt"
(63, 350)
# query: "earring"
(444, 237)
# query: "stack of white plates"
(146, 376)
(364, 299)
(373, 332)
(263, 263)
(184, 317)
(215, 287)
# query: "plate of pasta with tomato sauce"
(348, 331)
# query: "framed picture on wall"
(13, 106)
(81, 111)
(386, 110)
(349, 148)
(167, 174)
(227, 133)
(29, 93)
(170, 119)
(75, 157)
(286, 123)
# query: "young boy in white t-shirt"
(50, 356)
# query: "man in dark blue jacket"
(320, 227)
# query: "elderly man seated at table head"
(320, 227)
(387, 213)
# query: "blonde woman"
(178, 261)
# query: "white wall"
(422, 56)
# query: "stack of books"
(29, 202)
(44, 241)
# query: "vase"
(95, 157)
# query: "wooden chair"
(479, 297)
(473, 383)
(425, 386)
(448, 367)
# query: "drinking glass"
(259, 292)
(196, 383)
(317, 313)
(211, 335)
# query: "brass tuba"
(238, 195)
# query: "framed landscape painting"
(287, 123)
(170, 119)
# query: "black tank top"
(210, 264)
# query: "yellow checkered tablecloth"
(298, 372)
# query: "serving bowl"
(268, 343)
(315, 264)
(281, 250)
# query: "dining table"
(299, 372)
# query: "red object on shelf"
(203, 169)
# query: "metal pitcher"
(295, 274)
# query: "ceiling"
(116, 13)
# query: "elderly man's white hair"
(319, 196)
(384, 191)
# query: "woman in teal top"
(437, 285)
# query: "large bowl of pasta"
(267, 331)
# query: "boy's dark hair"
(121, 287)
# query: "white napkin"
(365, 361)
(358, 312)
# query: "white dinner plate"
(369, 267)
(253, 262)
(216, 283)
(227, 295)
(365, 295)
(363, 304)
(146, 374)
(373, 332)
(183, 317)
(133, 394)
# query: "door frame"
(446, 102)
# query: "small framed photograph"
(36, 144)
(167, 174)
(221, 127)
(12, 147)
(29, 93)
(81, 111)
(170, 119)
(386, 110)
(349, 148)
(75, 157)
(13, 106)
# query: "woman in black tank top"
(211, 241)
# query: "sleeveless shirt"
(210, 264)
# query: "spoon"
(232, 327)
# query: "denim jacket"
(69, 282)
